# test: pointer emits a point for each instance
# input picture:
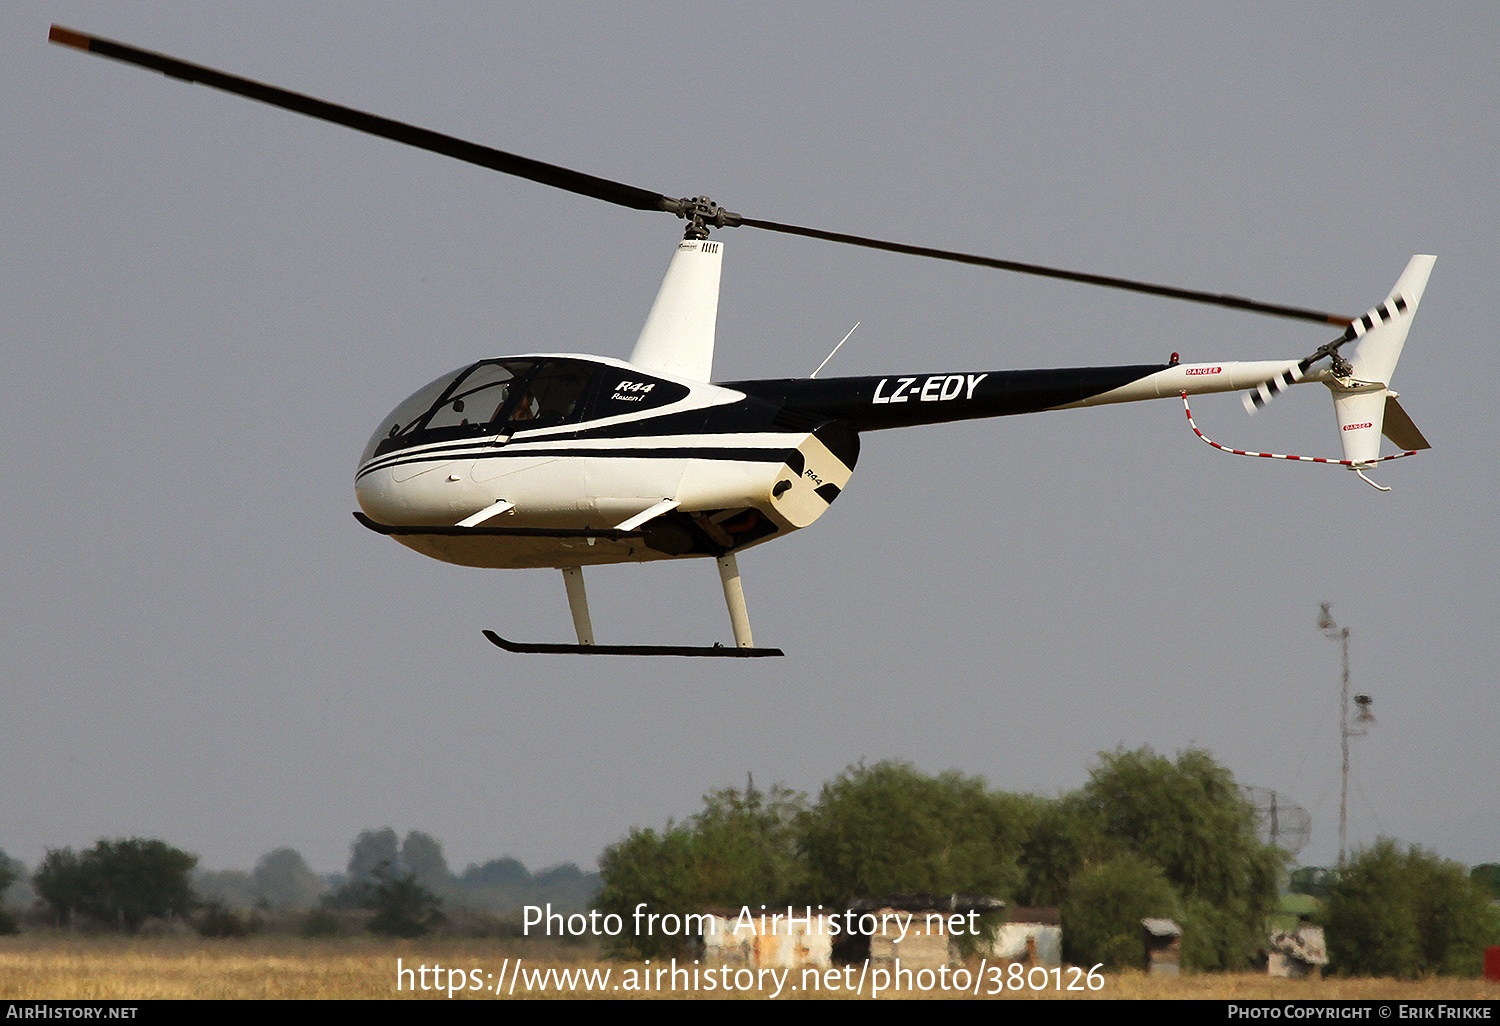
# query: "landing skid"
(632, 650)
(578, 603)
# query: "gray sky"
(209, 305)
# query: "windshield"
(493, 397)
(477, 397)
(472, 396)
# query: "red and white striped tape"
(1280, 456)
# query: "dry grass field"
(36, 967)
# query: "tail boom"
(1198, 379)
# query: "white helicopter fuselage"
(710, 465)
(566, 460)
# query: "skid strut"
(578, 602)
(734, 597)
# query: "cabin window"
(553, 395)
(504, 397)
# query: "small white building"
(1163, 939)
(772, 939)
(918, 939)
(1033, 935)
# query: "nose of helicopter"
(377, 498)
(395, 495)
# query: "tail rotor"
(1363, 402)
(1382, 334)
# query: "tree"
(1104, 908)
(499, 885)
(120, 882)
(1406, 913)
(890, 829)
(63, 882)
(1066, 836)
(11, 870)
(422, 856)
(741, 849)
(745, 846)
(506, 872)
(371, 850)
(1488, 877)
(1192, 820)
(655, 868)
(230, 888)
(402, 906)
(564, 885)
(284, 880)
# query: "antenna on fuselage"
(835, 349)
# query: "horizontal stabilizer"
(1400, 429)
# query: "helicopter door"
(551, 397)
(624, 486)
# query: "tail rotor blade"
(1381, 331)
(1264, 393)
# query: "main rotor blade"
(447, 145)
(701, 212)
(1191, 295)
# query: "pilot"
(500, 406)
(526, 409)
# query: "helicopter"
(567, 460)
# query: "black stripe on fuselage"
(739, 454)
(748, 416)
(911, 399)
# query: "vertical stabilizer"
(1381, 342)
(678, 338)
(1361, 400)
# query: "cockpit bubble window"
(405, 416)
(490, 398)
(459, 403)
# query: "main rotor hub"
(702, 214)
